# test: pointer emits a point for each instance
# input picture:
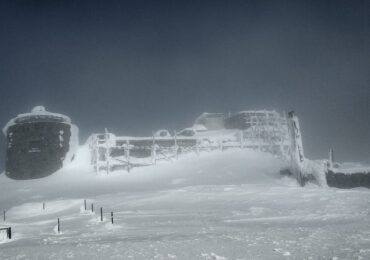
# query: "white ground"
(220, 205)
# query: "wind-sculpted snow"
(214, 168)
(226, 205)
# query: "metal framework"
(266, 131)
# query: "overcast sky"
(137, 66)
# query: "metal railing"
(109, 153)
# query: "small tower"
(38, 144)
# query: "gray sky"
(137, 66)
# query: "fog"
(136, 66)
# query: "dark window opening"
(34, 146)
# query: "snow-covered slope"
(214, 168)
(219, 205)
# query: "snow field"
(226, 205)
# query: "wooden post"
(111, 217)
(85, 204)
(101, 214)
(58, 226)
(92, 207)
(9, 233)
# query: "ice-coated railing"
(110, 152)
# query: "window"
(34, 146)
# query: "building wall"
(348, 181)
(237, 121)
(211, 121)
(36, 149)
(247, 119)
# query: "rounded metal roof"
(37, 114)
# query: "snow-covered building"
(263, 130)
(38, 143)
(246, 119)
(162, 133)
(211, 121)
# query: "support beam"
(296, 147)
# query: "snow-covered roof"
(187, 132)
(162, 133)
(351, 168)
(206, 115)
(259, 112)
(37, 114)
(199, 128)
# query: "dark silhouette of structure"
(38, 143)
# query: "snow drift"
(215, 168)
(219, 205)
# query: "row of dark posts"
(9, 229)
(85, 207)
(101, 211)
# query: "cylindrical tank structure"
(38, 144)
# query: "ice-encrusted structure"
(261, 130)
(39, 143)
(347, 175)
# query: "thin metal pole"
(111, 216)
(43, 205)
(58, 226)
(92, 207)
(4, 215)
(101, 214)
(85, 204)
